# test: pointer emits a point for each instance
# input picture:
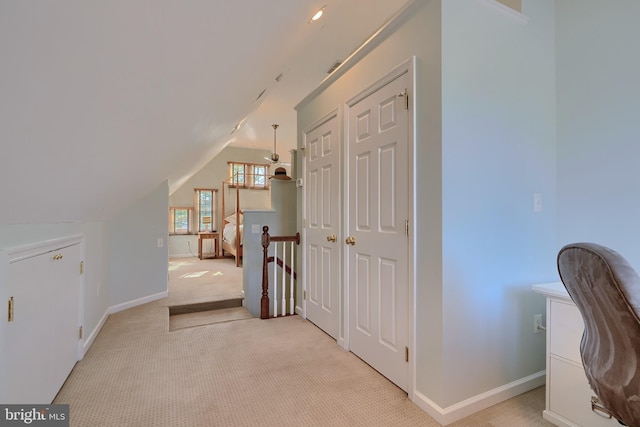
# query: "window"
(205, 207)
(180, 220)
(248, 175)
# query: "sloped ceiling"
(102, 101)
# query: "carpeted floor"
(247, 372)
(192, 280)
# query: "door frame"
(406, 67)
(338, 114)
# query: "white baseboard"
(556, 419)
(453, 413)
(183, 256)
(91, 338)
(137, 302)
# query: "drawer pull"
(597, 407)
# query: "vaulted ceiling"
(102, 101)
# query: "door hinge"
(406, 354)
(80, 333)
(405, 95)
(10, 310)
(304, 151)
(406, 227)
(304, 295)
(81, 267)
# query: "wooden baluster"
(264, 301)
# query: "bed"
(232, 225)
(232, 236)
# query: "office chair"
(606, 290)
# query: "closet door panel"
(28, 339)
(66, 271)
(40, 327)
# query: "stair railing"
(290, 242)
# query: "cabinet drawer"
(565, 331)
(570, 396)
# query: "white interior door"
(377, 256)
(322, 154)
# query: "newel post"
(264, 301)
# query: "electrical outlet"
(537, 324)
(255, 228)
(160, 242)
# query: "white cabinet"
(568, 395)
(39, 327)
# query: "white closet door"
(41, 340)
(322, 210)
(67, 319)
(378, 206)
(29, 376)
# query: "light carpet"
(244, 373)
(192, 280)
(247, 372)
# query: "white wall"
(485, 142)
(498, 149)
(122, 261)
(598, 127)
(138, 268)
(184, 246)
(216, 171)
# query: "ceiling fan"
(275, 158)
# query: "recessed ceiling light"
(318, 14)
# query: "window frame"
(198, 217)
(249, 178)
(172, 220)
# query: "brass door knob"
(332, 238)
(350, 240)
